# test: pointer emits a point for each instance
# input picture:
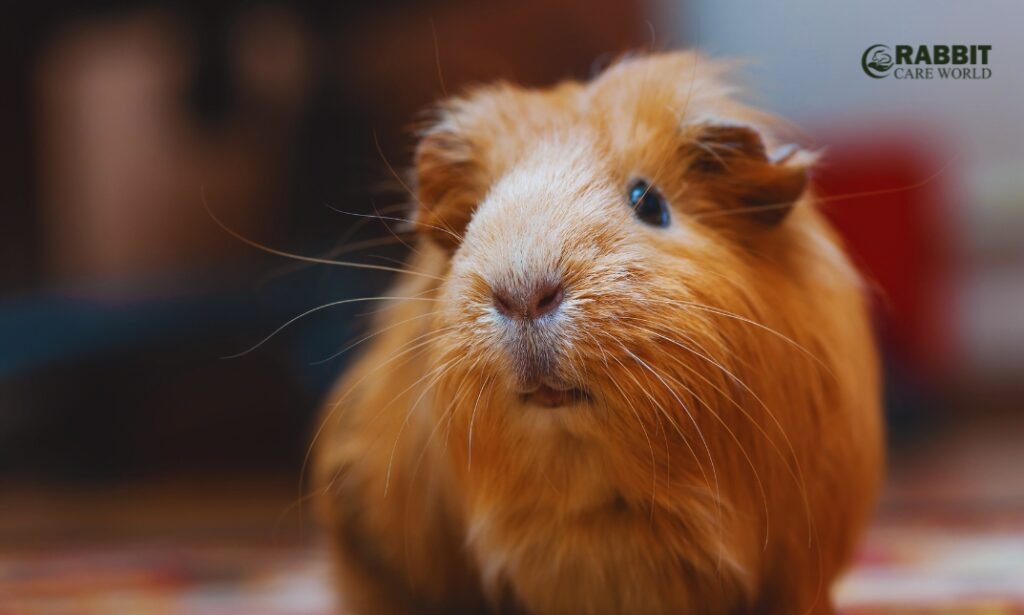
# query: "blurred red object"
(888, 193)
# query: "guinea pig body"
(634, 372)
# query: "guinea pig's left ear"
(743, 176)
(447, 190)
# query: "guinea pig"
(629, 369)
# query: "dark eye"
(648, 204)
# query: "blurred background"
(142, 471)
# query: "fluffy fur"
(728, 453)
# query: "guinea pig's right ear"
(448, 186)
(746, 178)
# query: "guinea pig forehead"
(559, 166)
(554, 194)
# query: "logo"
(876, 61)
(917, 62)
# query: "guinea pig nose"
(531, 304)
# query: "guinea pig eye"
(648, 205)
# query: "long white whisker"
(754, 323)
(693, 421)
(370, 336)
(309, 259)
(760, 484)
(436, 374)
(797, 473)
(317, 309)
(472, 422)
(409, 347)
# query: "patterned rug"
(949, 539)
(901, 570)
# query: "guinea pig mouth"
(548, 396)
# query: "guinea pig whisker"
(370, 336)
(409, 347)
(417, 343)
(753, 323)
(718, 498)
(661, 426)
(696, 426)
(386, 259)
(435, 375)
(311, 259)
(383, 220)
(768, 329)
(604, 355)
(342, 246)
(427, 339)
(375, 216)
(883, 191)
(301, 499)
(472, 422)
(317, 309)
(297, 503)
(412, 195)
(732, 434)
(682, 404)
(795, 471)
(627, 398)
(654, 460)
(449, 410)
(414, 297)
(449, 413)
(392, 231)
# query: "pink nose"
(530, 303)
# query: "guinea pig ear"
(742, 175)
(446, 186)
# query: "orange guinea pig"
(630, 369)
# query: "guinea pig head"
(592, 231)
